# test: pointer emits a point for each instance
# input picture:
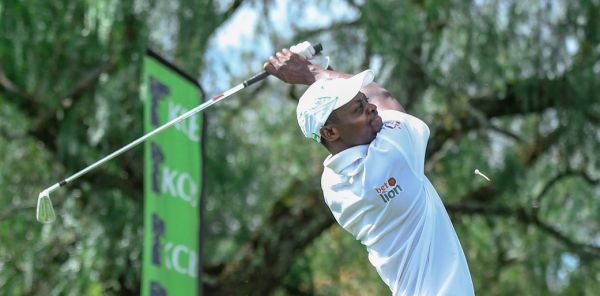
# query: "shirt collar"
(343, 159)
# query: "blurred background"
(507, 87)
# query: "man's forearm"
(293, 69)
(381, 98)
(320, 73)
(376, 94)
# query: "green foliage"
(340, 265)
(253, 164)
(507, 87)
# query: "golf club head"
(45, 211)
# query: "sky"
(228, 53)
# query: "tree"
(508, 87)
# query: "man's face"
(357, 122)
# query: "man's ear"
(329, 133)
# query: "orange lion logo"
(392, 181)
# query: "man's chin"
(378, 123)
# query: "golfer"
(373, 180)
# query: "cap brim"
(352, 86)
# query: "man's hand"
(291, 68)
(295, 69)
(306, 50)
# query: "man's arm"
(381, 98)
(294, 69)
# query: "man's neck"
(336, 147)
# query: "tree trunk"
(298, 218)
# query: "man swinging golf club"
(373, 180)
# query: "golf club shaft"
(152, 133)
(213, 100)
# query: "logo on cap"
(316, 138)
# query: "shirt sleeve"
(406, 133)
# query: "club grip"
(260, 76)
(256, 78)
(318, 48)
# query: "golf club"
(45, 211)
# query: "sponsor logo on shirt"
(388, 190)
(393, 124)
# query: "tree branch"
(10, 86)
(90, 79)
(562, 175)
(541, 145)
(231, 10)
(506, 133)
(266, 258)
(513, 101)
(559, 177)
(584, 250)
(308, 34)
(9, 212)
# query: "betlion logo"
(388, 190)
(393, 124)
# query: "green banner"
(172, 182)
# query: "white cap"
(323, 97)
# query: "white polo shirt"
(380, 194)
